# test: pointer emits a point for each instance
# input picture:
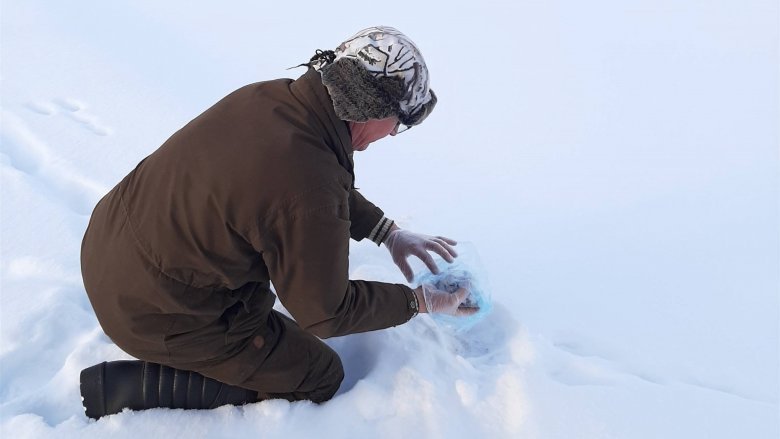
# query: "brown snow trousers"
(300, 366)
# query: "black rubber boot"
(109, 387)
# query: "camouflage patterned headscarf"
(377, 73)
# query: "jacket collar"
(309, 89)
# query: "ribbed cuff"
(380, 231)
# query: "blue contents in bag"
(466, 271)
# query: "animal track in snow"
(32, 156)
(577, 363)
(74, 110)
(43, 108)
(69, 104)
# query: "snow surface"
(615, 163)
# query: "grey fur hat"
(377, 73)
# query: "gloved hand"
(403, 244)
(438, 301)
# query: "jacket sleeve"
(367, 220)
(307, 255)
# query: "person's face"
(363, 133)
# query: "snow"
(615, 164)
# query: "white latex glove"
(403, 244)
(438, 301)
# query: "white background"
(614, 162)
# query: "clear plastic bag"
(465, 271)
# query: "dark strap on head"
(321, 57)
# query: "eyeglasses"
(400, 128)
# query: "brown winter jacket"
(178, 256)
